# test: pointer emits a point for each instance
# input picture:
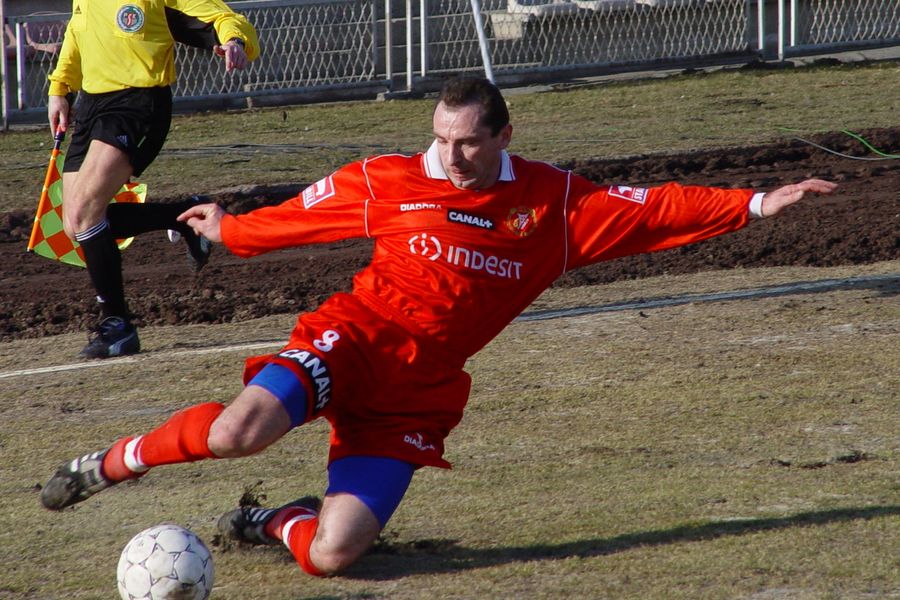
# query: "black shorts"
(135, 120)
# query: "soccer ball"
(165, 562)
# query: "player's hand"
(58, 114)
(234, 55)
(205, 220)
(776, 200)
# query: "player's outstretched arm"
(776, 200)
(205, 220)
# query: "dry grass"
(300, 144)
(733, 449)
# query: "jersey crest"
(521, 221)
(130, 18)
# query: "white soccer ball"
(166, 562)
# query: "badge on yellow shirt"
(130, 18)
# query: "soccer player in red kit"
(466, 237)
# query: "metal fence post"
(482, 41)
(4, 75)
(388, 42)
(761, 26)
(781, 30)
(423, 37)
(409, 47)
(21, 81)
(793, 23)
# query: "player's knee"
(337, 547)
(69, 229)
(253, 421)
(330, 559)
(72, 224)
(328, 567)
(78, 218)
(227, 439)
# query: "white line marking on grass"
(107, 362)
(763, 292)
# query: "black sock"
(104, 265)
(127, 219)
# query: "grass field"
(743, 448)
(614, 455)
(302, 143)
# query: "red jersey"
(453, 266)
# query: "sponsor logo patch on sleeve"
(626, 192)
(320, 190)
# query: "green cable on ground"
(859, 138)
(868, 145)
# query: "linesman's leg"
(86, 194)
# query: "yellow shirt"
(112, 45)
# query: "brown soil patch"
(859, 224)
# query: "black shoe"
(248, 523)
(75, 481)
(114, 336)
(199, 248)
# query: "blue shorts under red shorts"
(384, 392)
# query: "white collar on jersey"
(435, 170)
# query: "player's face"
(470, 155)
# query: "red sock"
(183, 438)
(302, 524)
(114, 467)
(273, 527)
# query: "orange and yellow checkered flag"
(47, 236)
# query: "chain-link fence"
(305, 44)
(530, 35)
(818, 24)
(315, 50)
(32, 44)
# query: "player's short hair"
(464, 90)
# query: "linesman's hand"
(776, 200)
(234, 55)
(205, 220)
(58, 113)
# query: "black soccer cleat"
(75, 482)
(247, 524)
(199, 248)
(114, 336)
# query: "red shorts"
(383, 392)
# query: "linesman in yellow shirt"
(120, 56)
